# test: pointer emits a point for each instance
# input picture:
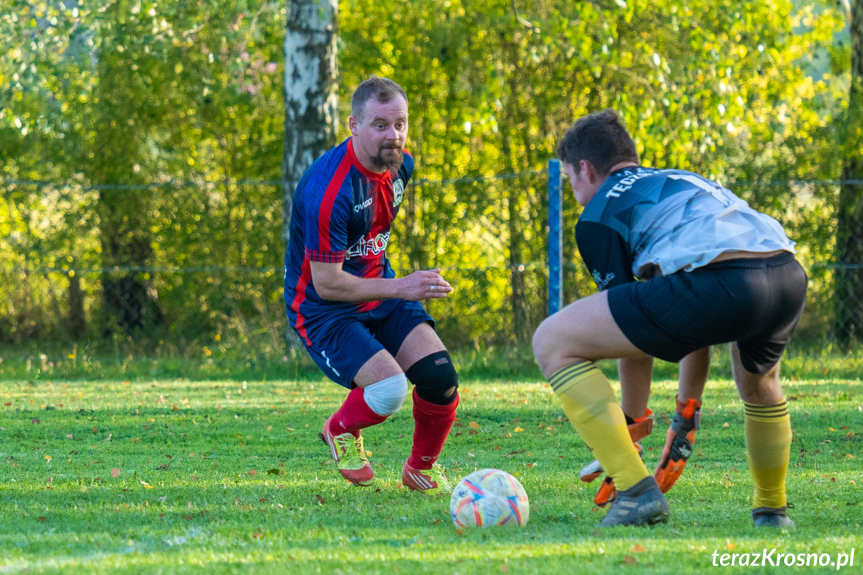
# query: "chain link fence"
(166, 269)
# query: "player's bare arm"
(333, 283)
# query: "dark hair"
(375, 88)
(601, 139)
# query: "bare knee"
(757, 388)
(547, 350)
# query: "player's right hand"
(425, 284)
(678, 445)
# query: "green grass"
(236, 364)
(178, 476)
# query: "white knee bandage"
(386, 397)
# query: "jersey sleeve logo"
(398, 192)
(600, 282)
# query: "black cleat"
(772, 517)
(641, 504)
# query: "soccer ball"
(489, 497)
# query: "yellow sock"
(768, 448)
(589, 403)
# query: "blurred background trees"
(146, 146)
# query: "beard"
(388, 158)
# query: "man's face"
(582, 186)
(380, 134)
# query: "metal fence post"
(555, 238)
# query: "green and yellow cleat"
(349, 453)
(429, 481)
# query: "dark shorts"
(754, 302)
(342, 344)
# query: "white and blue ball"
(489, 497)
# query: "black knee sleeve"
(435, 378)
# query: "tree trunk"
(311, 103)
(849, 230)
(77, 320)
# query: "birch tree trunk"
(311, 104)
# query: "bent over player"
(714, 271)
(364, 327)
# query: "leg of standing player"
(429, 367)
(767, 427)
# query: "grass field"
(179, 476)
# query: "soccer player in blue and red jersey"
(712, 271)
(362, 326)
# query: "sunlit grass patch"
(172, 475)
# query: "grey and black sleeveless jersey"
(644, 222)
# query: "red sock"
(432, 425)
(354, 414)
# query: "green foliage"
(168, 475)
(134, 92)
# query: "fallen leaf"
(629, 560)
(638, 549)
(320, 499)
(518, 430)
(35, 421)
(725, 424)
(253, 472)
(174, 407)
(115, 472)
(473, 424)
(43, 519)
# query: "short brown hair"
(375, 88)
(601, 139)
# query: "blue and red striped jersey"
(341, 212)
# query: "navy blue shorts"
(754, 302)
(342, 344)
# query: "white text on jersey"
(368, 246)
(624, 184)
(363, 205)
